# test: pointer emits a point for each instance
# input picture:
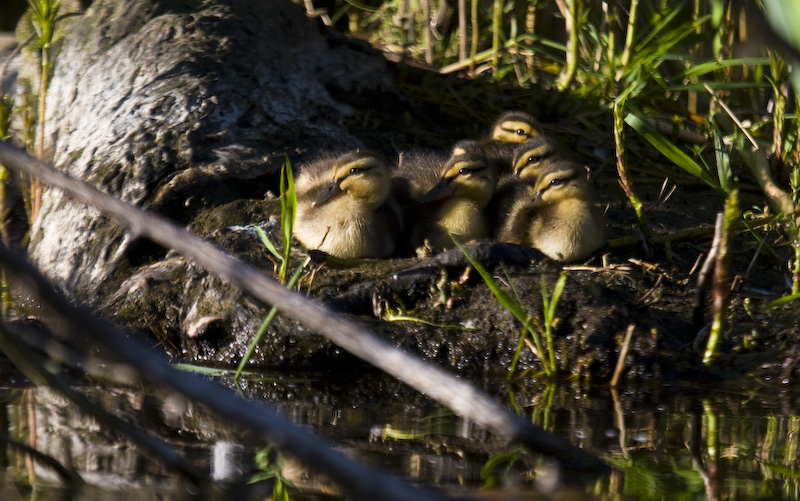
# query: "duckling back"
(345, 206)
(560, 218)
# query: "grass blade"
(268, 243)
(669, 150)
(722, 156)
(512, 305)
(288, 213)
(711, 66)
(264, 325)
(504, 297)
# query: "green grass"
(44, 14)
(288, 199)
(513, 303)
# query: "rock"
(179, 105)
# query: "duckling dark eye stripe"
(566, 179)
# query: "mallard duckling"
(422, 169)
(533, 156)
(511, 129)
(456, 203)
(530, 159)
(559, 219)
(345, 208)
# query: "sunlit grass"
(44, 14)
(288, 199)
(545, 352)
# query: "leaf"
(288, 214)
(268, 243)
(784, 300)
(199, 369)
(709, 66)
(553, 304)
(722, 156)
(669, 150)
(504, 297)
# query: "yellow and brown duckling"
(457, 203)
(530, 159)
(560, 218)
(345, 206)
(511, 129)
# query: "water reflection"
(666, 442)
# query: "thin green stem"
(721, 289)
(796, 269)
(626, 52)
(622, 168)
(263, 328)
(497, 25)
(572, 26)
(473, 48)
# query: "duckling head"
(467, 146)
(467, 176)
(561, 181)
(532, 158)
(515, 127)
(362, 175)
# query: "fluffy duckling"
(511, 129)
(345, 206)
(456, 203)
(420, 170)
(531, 158)
(559, 219)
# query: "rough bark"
(177, 105)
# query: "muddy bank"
(193, 125)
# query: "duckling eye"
(521, 132)
(355, 170)
(463, 171)
(556, 182)
(534, 159)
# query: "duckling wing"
(510, 189)
(421, 169)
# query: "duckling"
(420, 170)
(456, 203)
(511, 129)
(345, 206)
(559, 219)
(530, 159)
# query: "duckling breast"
(346, 232)
(568, 239)
(461, 216)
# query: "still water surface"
(667, 442)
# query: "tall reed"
(43, 16)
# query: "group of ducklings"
(515, 185)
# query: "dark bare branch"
(461, 397)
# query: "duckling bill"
(345, 206)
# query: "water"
(666, 441)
